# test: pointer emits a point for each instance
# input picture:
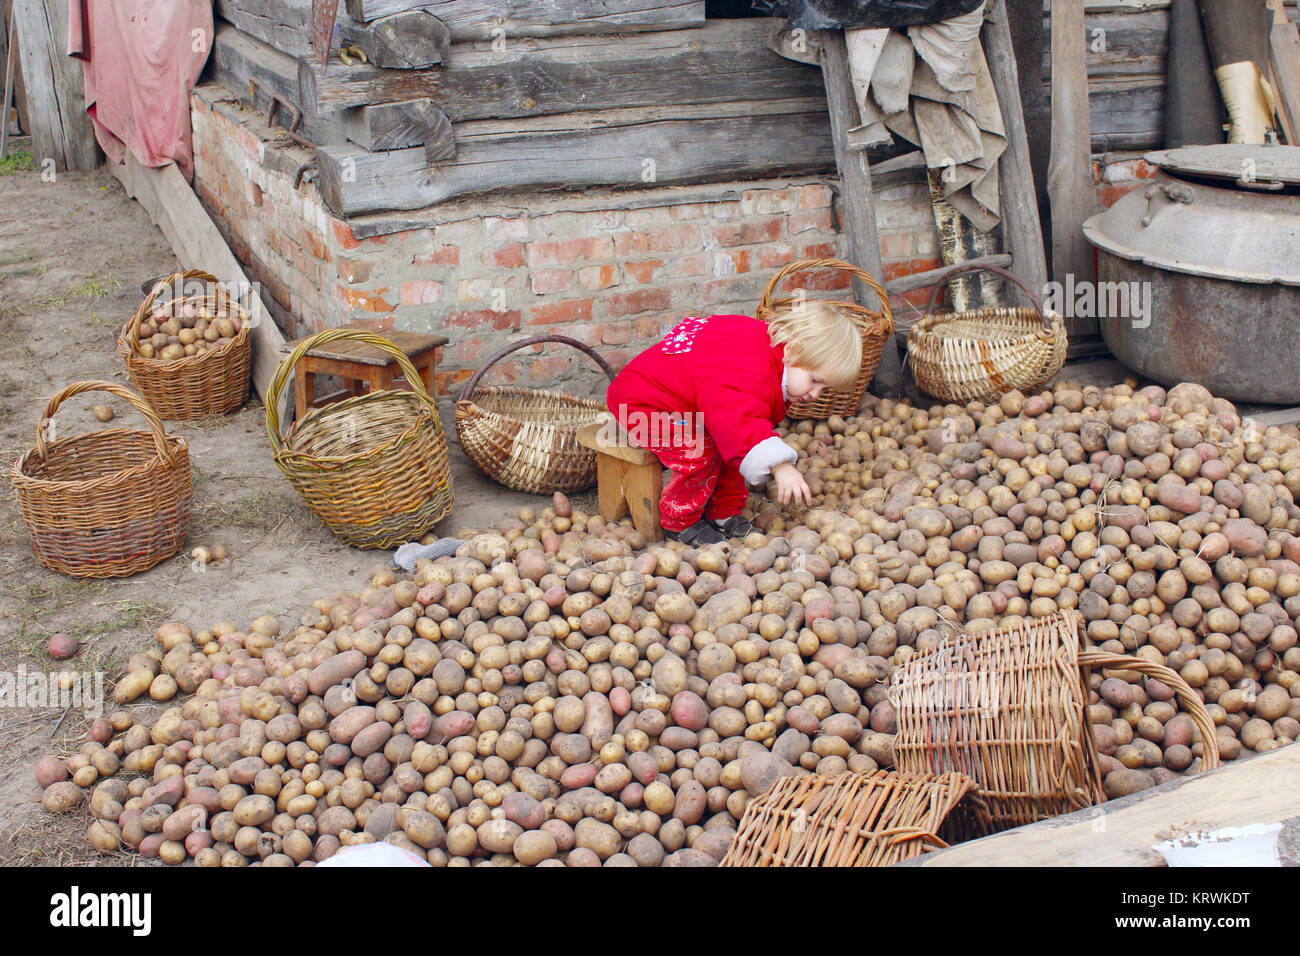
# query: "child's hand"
(790, 485)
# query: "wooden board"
(401, 125)
(56, 103)
(1121, 832)
(722, 62)
(482, 19)
(194, 238)
(1284, 61)
(633, 147)
(413, 344)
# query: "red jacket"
(724, 367)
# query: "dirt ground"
(72, 256)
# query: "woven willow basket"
(1008, 709)
(527, 438)
(979, 356)
(210, 383)
(374, 467)
(877, 327)
(857, 819)
(109, 503)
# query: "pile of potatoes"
(185, 327)
(560, 694)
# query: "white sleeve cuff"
(763, 457)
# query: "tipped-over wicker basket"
(108, 503)
(857, 819)
(527, 438)
(374, 467)
(211, 383)
(877, 327)
(981, 355)
(1008, 708)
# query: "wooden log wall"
(56, 103)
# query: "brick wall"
(614, 270)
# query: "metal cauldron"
(1214, 245)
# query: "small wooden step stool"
(357, 363)
(628, 479)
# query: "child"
(705, 400)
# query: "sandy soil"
(72, 256)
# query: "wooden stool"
(628, 479)
(357, 363)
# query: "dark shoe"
(735, 527)
(700, 533)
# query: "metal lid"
(1247, 166)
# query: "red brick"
(509, 229)
(548, 367)
(470, 350)
(421, 292)
(598, 277)
(445, 382)
(907, 267)
(690, 210)
(749, 231)
(343, 233)
(566, 310)
(315, 244)
(549, 281)
(814, 197)
(480, 318)
(650, 327)
(443, 256)
(733, 289)
(615, 333)
(371, 301)
(644, 270)
(811, 219)
(503, 373)
(896, 245)
(695, 264)
(629, 243)
(819, 280)
(820, 250)
(673, 238)
(376, 325)
(354, 271)
(642, 300)
(564, 251)
(510, 255)
(731, 263)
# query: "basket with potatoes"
(191, 354)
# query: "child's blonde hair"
(822, 337)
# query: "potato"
(132, 686)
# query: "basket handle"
(765, 303)
(132, 398)
(1092, 657)
(286, 367)
(534, 340)
(1005, 273)
(133, 326)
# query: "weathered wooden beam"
(413, 40)
(56, 103)
(500, 19)
(713, 64)
(631, 147)
(919, 280)
(401, 125)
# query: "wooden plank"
(1284, 59)
(194, 238)
(1260, 789)
(1022, 232)
(401, 125)
(56, 101)
(612, 147)
(718, 63)
(1069, 171)
(486, 19)
(1126, 113)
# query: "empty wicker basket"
(857, 819)
(527, 438)
(981, 355)
(1008, 708)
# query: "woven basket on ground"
(1008, 708)
(374, 467)
(981, 355)
(876, 326)
(211, 383)
(527, 438)
(108, 503)
(856, 819)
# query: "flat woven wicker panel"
(527, 439)
(856, 819)
(980, 356)
(374, 468)
(1007, 709)
(105, 504)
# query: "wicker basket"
(1008, 708)
(374, 467)
(211, 383)
(877, 327)
(857, 819)
(527, 438)
(979, 356)
(109, 503)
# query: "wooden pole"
(10, 65)
(1069, 175)
(61, 130)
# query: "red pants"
(702, 484)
